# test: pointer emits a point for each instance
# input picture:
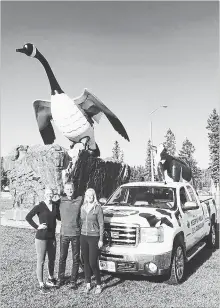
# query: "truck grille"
(120, 234)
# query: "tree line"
(202, 177)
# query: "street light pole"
(151, 143)
(151, 153)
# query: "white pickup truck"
(153, 228)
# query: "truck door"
(187, 217)
(198, 223)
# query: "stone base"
(15, 223)
(16, 218)
(16, 214)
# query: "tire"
(211, 240)
(177, 268)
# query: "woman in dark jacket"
(45, 240)
(91, 240)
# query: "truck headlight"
(152, 235)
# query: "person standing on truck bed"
(91, 240)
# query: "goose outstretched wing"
(93, 108)
(43, 116)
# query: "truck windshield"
(155, 197)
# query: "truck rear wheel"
(212, 238)
(177, 269)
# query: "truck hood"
(145, 217)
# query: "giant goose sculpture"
(74, 118)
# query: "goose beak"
(20, 50)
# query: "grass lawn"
(19, 283)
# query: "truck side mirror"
(190, 205)
(102, 201)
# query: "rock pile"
(103, 176)
(32, 168)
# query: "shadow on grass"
(218, 237)
(109, 282)
(203, 256)
(81, 277)
(194, 264)
(191, 267)
(134, 277)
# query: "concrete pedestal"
(16, 218)
(16, 214)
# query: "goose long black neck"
(55, 87)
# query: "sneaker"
(51, 282)
(88, 288)
(98, 290)
(43, 289)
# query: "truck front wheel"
(177, 269)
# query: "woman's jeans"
(90, 254)
(64, 246)
(43, 247)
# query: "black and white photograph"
(110, 181)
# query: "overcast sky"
(135, 56)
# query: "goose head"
(29, 49)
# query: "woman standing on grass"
(92, 226)
(45, 240)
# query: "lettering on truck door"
(198, 223)
(187, 218)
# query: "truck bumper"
(149, 265)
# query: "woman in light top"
(91, 240)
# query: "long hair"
(95, 201)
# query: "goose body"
(69, 119)
(73, 117)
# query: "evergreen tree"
(4, 179)
(170, 142)
(213, 135)
(148, 162)
(116, 152)
(206, 178)
(122, 157)
(197, 175)
(137, 172)
(186, 154)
